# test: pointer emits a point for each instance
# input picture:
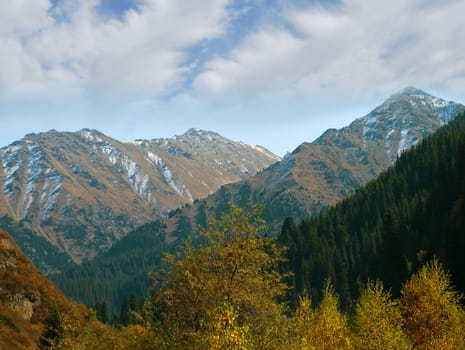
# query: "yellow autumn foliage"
(433, 317)
(378, 321)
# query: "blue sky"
(269, 72)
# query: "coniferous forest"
(412, 213)
(119, 274)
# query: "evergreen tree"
(134, 303)
(394, 265)
(125, 314)
(102, 311)
(54, 331)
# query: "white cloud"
(303, 68)
(358, 46)
(252, 67)
(19, 17)
(142, 52)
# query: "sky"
(273, 73)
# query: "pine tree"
(394, 265)
(125, 314)
(54, 331)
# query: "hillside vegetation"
(28, 300)
(119, 273)
(228, 293)
(411, 213)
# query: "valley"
(379, 200)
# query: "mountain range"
(307, 181)
(408, 221)
(319, 174)
(84, 190)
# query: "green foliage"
(225, 295)
(183, 229)
(125, 314)
(102, 312)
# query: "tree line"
(229, 293)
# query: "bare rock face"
(24, 303)
(7, 256)
(84, 190)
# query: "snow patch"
(90, 136)
(439, 103)
(50, 191)
(369, 122)
(122, 163)
(407, 139)
(156, 161)
(34, 170)
(388, 143)
(11, 164)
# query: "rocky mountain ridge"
(84, 190)
(318, 174)
(304, 183)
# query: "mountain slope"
(84, 190)
(413, 212)
(45, 256)
(26, 299)
(120, 272)
(320, 173)
(313, 177)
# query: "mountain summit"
(320, 173)
(84, 190)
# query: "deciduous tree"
(237, 266)
(432, 313)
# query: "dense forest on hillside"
(45, 256)
(121, 272)
(411, 213)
